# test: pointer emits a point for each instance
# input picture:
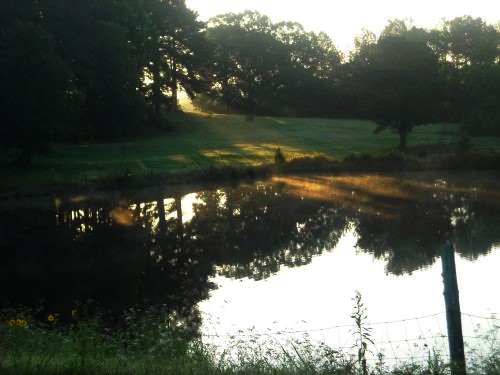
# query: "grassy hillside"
(201, 141)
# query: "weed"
(362, 333)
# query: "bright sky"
(343, 20)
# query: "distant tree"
(310, 75)
(469, 41)
(474, 48)
(468, 50)
(398, 83)
(271, 68)
(363, 43)
(246, 62)
(482, 84)
(396, 27)
(35, 90)
(207, 103)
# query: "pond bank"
(392, 161)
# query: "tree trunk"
(156, 94)
(162, 223)
(175, 102)
(156, 87)
(178, 208)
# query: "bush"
(484, 118)
(249, 117)
(393, 160)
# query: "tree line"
(101, 69)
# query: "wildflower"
(74, 313)
(23, 323)
(18, 322)
(12, 323)
(51, 318)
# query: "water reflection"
(162, 247)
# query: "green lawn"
(202, 141)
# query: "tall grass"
(151, 342)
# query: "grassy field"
(201, 141)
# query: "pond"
(268, 261)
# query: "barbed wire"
(378, 343)
(413, 344)
(284, 332)
(482, 317)
(404, 320)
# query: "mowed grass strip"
(200, 141)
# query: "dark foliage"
(115, 64)
(100, 69)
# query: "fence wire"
(413, 339)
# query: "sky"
(343, 20)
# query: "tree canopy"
(261, 67)
(101, 69)
(123, 60)
(399, 81)
(35, 90)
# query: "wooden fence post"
(453, 315)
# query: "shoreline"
(392, 161)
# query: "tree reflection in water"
(161, 248)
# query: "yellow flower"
(23, 323)
(51, 318)
(74, 313)
(18, 322)
(12, 323)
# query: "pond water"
(269, 261)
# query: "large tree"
(96, 39)
(123, 56)
(35, 90)
(177, 53)
(398, 82)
